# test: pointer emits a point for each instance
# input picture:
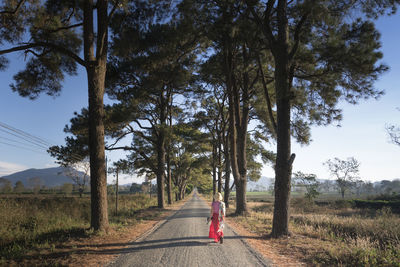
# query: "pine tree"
(322, 51)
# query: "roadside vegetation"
(32, 224)
(332, 232)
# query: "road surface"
(182, 240)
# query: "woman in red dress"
(217, 219)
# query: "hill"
(49, 177)
(262, 184)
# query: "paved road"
(183, 241)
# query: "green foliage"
(345, 172)
(309, 181)
(50, 39)
(19, 187)
(5, 186)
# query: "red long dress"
(215, 231)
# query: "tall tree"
(189, 156)
(159, 64)
(52, 34)
(212, 118)
(120, 166)
(345, 172)
(79, 173)
(5, 185)
(231, 38)
(322, 51)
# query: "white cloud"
(7, 168)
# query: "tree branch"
(67, 27)
(266, 28)
(142, 127)
(111, 14)
(119, 148)
(267, 97)
(148, 161)
(144, 137)
(36, 54)
(60, 49)
(297, 35)
(310, 76)
(119, 138)
(291, 159)
(13, 11)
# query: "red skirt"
(215, 231)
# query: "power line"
(25, 135)
(36, 141)
(26, 148)
(18, 142)
(23, 138)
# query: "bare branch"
(120, 148)
(141, 126)
(36, 54)
(66, 27)
(59, 48)
(267, 97)
(119, 138)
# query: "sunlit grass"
(38, 222)
(334, 234)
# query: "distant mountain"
(49, 177)
(261, 185)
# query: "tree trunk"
(241, 202)
(241, 183)
(98, 181)
(160, 169)
(169, 175)
(214, 170)
(234, 124)
(227, 172)
(219, 162)
(116, 194)
(283, 168)
(96, 70)
(242, 119)
(169, 180)
(161, 149)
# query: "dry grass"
(54, 231)
(330, 235)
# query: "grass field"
(332, 233)
(31, 224)
(267, 196)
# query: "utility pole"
(116, 194)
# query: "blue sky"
(362, 133)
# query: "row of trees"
(7, 187)
(347, 180)
(284, 63)
(36, 185)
